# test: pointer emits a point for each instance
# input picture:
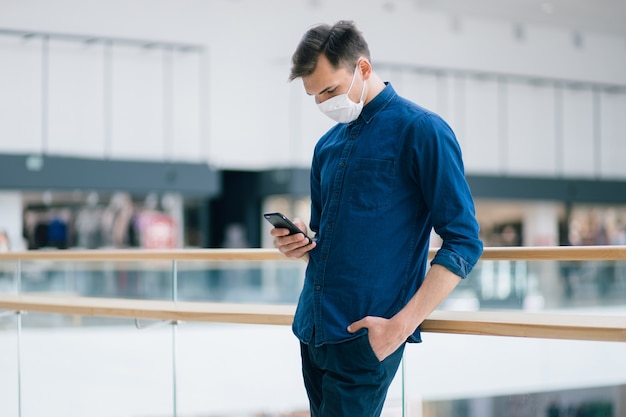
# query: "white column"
(541, 225)
(11, 217)
(541, 228)
(173, 204)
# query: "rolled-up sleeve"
(447, 193)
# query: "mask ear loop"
(353, 78)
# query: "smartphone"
(283, 222)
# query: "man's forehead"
(323, 77)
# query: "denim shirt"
(379, 185)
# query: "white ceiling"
(608, 16)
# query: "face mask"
(340, 108)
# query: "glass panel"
(594, 286)
(483, 376)
(219, 364)
(588, 402)
(9, 343)
(238, 370)
(8, 277)
(113, 368)
(9, 371)
(107, 370)
(241, 282)
(143, 280)
(394, 404)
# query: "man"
(381, 178)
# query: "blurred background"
(121, 117)
(162, 124)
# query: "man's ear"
(365, 67)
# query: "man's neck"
(374, 86)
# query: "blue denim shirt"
(378, 186)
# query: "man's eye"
(331, 91)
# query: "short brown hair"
(342, 44)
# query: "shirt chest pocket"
(371, 183)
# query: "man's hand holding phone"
(290, 236)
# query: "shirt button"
(318, 287)
(335, 195)
(329, 226)
(342, 164)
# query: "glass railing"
(205, 333)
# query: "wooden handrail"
(500, 323)
(101, 255)
(555, 253)
(525, 324)
(150, 309)
(552, 253)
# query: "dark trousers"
(347, 379)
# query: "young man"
(381, 178)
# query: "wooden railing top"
(102, 255)
(500, 323)
(150, 309)
(556, 253)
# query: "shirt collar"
(378, 103)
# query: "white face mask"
(340, 108)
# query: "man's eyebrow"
(321, 92)
(326, 89)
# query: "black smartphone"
(283, 222)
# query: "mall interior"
(161, 124)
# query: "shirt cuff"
(453, 262)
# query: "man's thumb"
(356, 326)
